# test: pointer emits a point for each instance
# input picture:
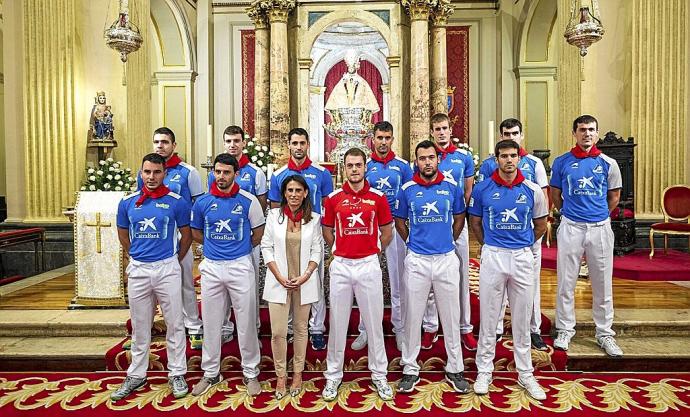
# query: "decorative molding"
(441, 13)
(393, 61)
(535, 71)
(305, 63)
(258, 16)
(418, 9)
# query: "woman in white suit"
(292, 246)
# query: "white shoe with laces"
(383, 389)
(330, 391)
(530, 384)
(482, 383)
(360, 342)
(608, 343)
(562, 340)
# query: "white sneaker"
(529, 383)
(360, 342)
(399, 341)
(562, 340)
(608, 343)
(383, 389)
(330, 391)
(482, 383)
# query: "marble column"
(569, 83)
(439, 64)
(419, 67)
(262, 82)
(278, 11)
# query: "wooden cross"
(98, 225)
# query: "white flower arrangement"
(110, 176)
(258, 154)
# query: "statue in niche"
(101, 122)
(350, 105)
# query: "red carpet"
(570, 394)
(675, 266)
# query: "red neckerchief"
(296, 218)
(215, 191)
(173, 162)
(349, 190)
(449, 149)
(522, 152)
(306, 164)
(389, 157)
(580, 154)
(421, 181)
(243, 161)
(517, 181)
(159, 192)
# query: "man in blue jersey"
(585, 187)
(430, 215)
(183, 179)
(507, 215)
(533, 170)
(148, 222)
(229, 222)
(320, 185)
(252, 179)
(458, 164)
(387, 173)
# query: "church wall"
(3, 186)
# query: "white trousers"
(228, 327)
(535, 320)
(317, 321)
(596, 241)
(504, 271)
(361, 278)
(221, 280)
(395, 260)
(190, 307)
(462, 250)
(146, 283)
(424, 273)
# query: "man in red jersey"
(357, 224)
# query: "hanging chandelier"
(123, 36)
(584, 27)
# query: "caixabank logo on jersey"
(148, 229)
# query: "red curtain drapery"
(457, 55)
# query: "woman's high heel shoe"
(280, 392)
(296, 386)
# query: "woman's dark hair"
(305, 208)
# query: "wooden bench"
(16, 237)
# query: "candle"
(492, 132)
(269, 172)
(209, 140)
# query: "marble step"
(54, 353)
(635, 322)
(63, 323)
(641, 354)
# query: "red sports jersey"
(356, 217)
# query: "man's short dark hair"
(234, 130)
(153, 158)
(165, 131)
(355, 152)
(585, 119)
(425, 144)
(297, 131)
(438, 118)
(383, 126)
(509, 124)
(506, 144)
(227, 159)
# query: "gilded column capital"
(393, 61)
(258, 15)
(418, 9)
(441, 13)
(277, 10)
(305, 63)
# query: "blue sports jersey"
(182, 179)
(318, 178)
(584, 184)
(227, 223)
(250, 178)
(153, 225)
(389, 178)
(430, 210)
(530, 166)
(507, 212)
(458, 165)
